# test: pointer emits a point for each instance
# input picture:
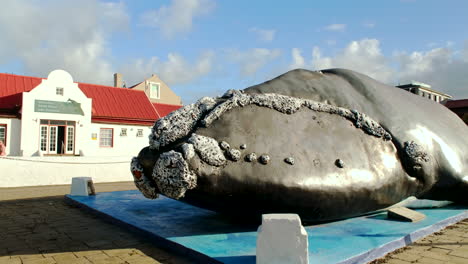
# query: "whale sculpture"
(326, 145)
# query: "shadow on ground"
(51, 229)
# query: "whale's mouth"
(163, 166)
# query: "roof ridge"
(45, 78)
(112, 87)
(12, 74)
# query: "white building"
(56, 116)
(424, 90)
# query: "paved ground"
(38, 227)
(450, 245)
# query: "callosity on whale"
(326, 145)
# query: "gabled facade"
(158, 91)
(57, 116)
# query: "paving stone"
(440, 250)
(31, 256)
(65, 258)
(461, 252)
(11, 261)
(435, 255)
(406, 256)
(39, 261)
(457, 260)
(418, 247)
(447, 246)
(429, 261)
(396, 261)
(87, 253)
(95, 257)
(118, 252)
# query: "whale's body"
(326, 145)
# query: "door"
(44, 131)
(70, 140)
(53, 139)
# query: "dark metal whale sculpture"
(326, 145)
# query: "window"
(59, 91)
(139, 132)
(3, 134)
(43, 137)
(123, 132)
(154, 90)
(70, 138)
(53, 139)
(106, 137)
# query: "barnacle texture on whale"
(356, 145)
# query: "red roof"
(109, 105)
(165, 109)
(11, 88)
(457, 103)
(119, 104)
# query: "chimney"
(118, 80)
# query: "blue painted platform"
(214, 238)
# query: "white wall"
(13, 135)
(33, 171)
(123, 145)
(30, 120)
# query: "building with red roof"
(57, 116)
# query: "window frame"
(138, 132)
(123, 132)
(57, 89)
(151, 94)
(6, 133)
(100, 137)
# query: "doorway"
(57, 137)
(61, 140)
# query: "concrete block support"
(82, 186)
(282, 239)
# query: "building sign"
(69, 107)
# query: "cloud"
(266, 35)
(298, 60)
(336, 27)
(177, 18)
(73, 38)
(363, 56)
(443, 68)
(174, 70)
(440, 67)
(253, 60)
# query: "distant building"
(424, 90)
(459, 107)
(57, 116)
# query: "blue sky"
(204, 47)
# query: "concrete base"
(214, 238)
(82, 186)
(282, 239)
(405, 214)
